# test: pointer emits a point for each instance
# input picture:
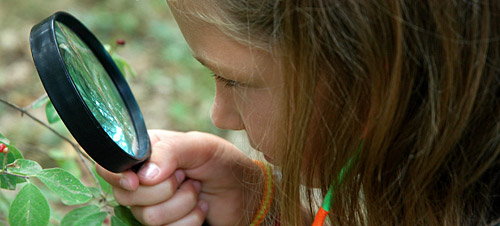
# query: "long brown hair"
(418, 82)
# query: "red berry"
(106, 220)
(120, 42)
(2, 147)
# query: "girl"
(391, 106)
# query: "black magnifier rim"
(69, 104)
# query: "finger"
(150, 195)
(156, 135)
(180, 205)
(196, 217)
(178, 150)
(127, 180)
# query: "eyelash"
(227, 82)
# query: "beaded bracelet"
(267, 197)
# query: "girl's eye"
(227, 82)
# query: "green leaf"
(130, 70)
(65, 185)
(124, 66)
(8, 181)
(123, 213)
(66, 162)
(95, 219)
(115, 221)
(120, 64)
(78, 214)
(16, 154)
(24, 167)
(112, 202)
(96, 193)
(11, 156)
(29, 208)
(51, 113)
(40, 102)
(107, 47)
(3, 139)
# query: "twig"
(73, 144)
(24, 112)
(92, 173)
(13, 174)
(4, 162)
(32, 105)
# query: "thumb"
(174, 150)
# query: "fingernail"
(203, 205)
(125, 184)
(180, 176)
(197, 186)
(149, 171)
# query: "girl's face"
(248, 85)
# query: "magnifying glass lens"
(97, 89)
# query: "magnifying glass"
(89, 93)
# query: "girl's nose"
(225, 114)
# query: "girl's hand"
(189, 177)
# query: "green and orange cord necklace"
(267, 198)
(323, 211)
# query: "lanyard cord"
(323, 211)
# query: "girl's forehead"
(219, 52)
(213, 48)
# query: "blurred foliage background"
(173, 90)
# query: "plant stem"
(24, 112)
(73, 144)
(4, 162)
(44, 98)
(13, 174)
